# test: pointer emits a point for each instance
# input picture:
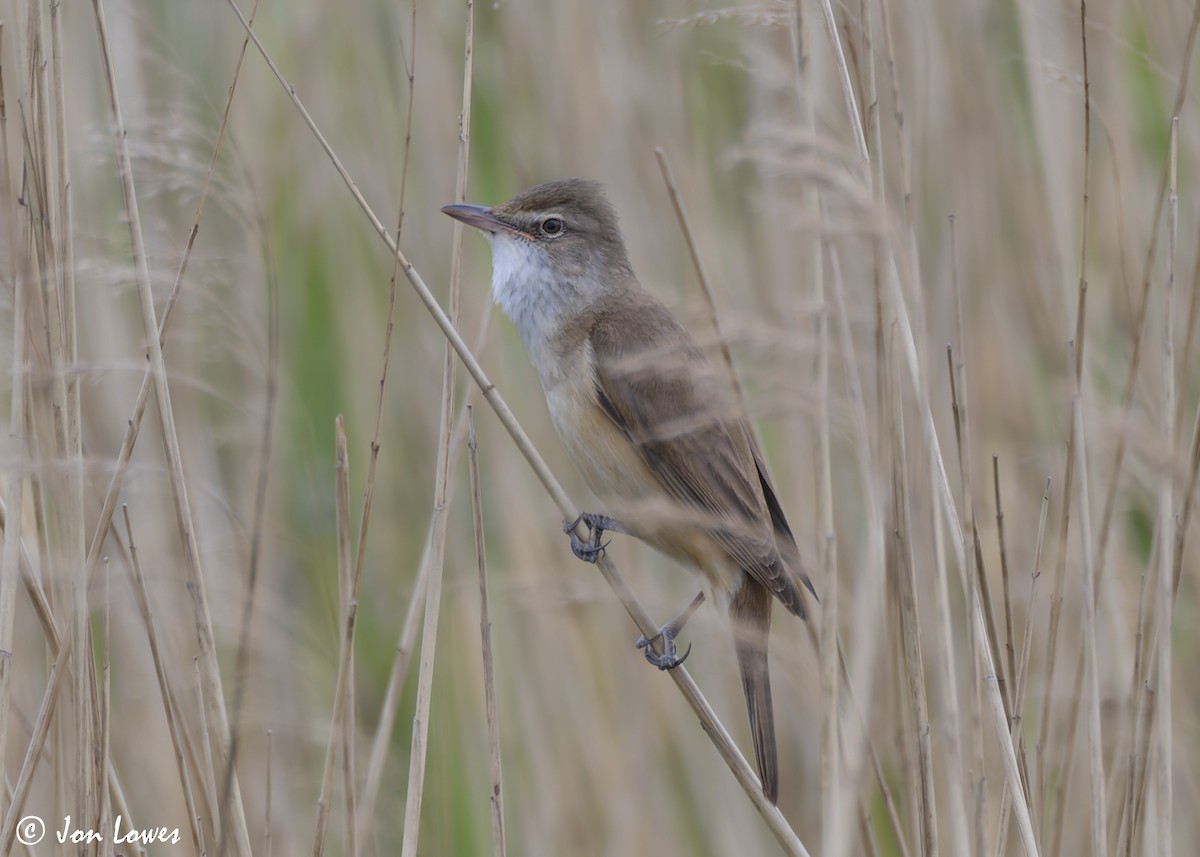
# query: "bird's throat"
(526, 288)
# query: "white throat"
(524, 287)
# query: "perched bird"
(649, 421)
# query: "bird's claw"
(669, 659)
(590, 550)
(586, 551)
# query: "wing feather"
(670, 404)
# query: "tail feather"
(750, 610)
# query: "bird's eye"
(552, 226)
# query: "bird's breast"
(602, 452)
(620, 478)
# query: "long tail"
(750, 610)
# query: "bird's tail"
(750, 610)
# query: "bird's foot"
(669, 659)
(590, 550)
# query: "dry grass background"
(967, 219)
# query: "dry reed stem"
(902, 153)
(1141, 798)
(212, 693)
(1193, 317)
(1091, 654)
(1137, 702)
(64, 245)
(948, 683)
(912, 664)
(1027, 637)
(349, 724)
(1166, 513)
(969, 586)
(203, 752)
(348, 598)
(1055, 827)
(830, 758)
(1021, 676)
(433, 591)
(1056, 597)
(989, 612)
(105, 730)
(348, 612)
(170, 708)
(395, 686)
(971, 576)
(10, 559)
(873, 134)
(904, 747)
(496, 793)
(1009, 648)
(977, 582)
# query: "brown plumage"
(646, 417)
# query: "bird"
(649, 421)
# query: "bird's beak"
(479, 216)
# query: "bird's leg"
(590, 550)
(668, 660)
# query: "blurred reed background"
(966, 222)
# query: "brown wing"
(784, 539)
(668, 401)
